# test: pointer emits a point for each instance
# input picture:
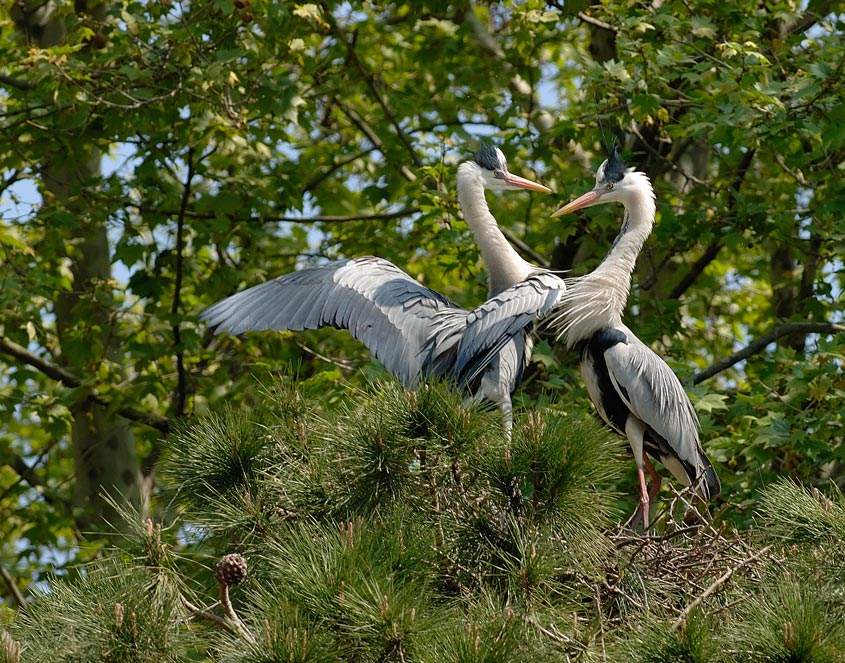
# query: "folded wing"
(653, 393)
(501, 319)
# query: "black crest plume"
(614, 169)
(486, 157)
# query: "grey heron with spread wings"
(633, 389)
(415, 332)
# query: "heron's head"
(493, 170)
(615, 183)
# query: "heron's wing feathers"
(377, 302)
(500, 319)
(654, 394)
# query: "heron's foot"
(639, 517)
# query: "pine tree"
(399, 526)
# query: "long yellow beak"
(522, 183)
(588, 199)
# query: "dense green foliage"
(247, 138)
(401, 528)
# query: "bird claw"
(636, 519)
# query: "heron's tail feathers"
(708, 481)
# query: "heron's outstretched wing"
(654, 395)
(377, 302)
(500, 319)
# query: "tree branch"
(182, 379)
(326, 218)
(586, 18)
(27, 474)
(16, 82)
(229, 609)
(66, 378)
(721, 580)
(208, 616)
(816, 9)
(760, 344)
(715, 245)
(13, 588)
(315, 181)
(13, 177)
(24, 471)
(697, 268)
(525, 249)
(372, 136)
(369, 80)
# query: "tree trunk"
(105, 457)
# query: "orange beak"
(522, 183)
(587, 200)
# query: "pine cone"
(231, 569)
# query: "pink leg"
(655, 479)
(634, 431)
(644, 498)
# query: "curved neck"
(598, 299)
(505, 267)
(618, 265)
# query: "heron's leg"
(655, 478)
(634, 430)
(507, 420)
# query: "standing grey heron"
(633, 389)
(415, 332)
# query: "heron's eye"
(499, 174)
(608, 186)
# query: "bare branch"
(665, 160)
(27, 474)
(328, 218)
(15, 176)
(229, 609)
(369, 80)
(721, 580)
(59, 374)
(715, 245)
(343, 364)
(696, 269)
(760, 344)
(315, 181)
(182, 378)
(526, 250)
(816, 9)
(586, 18)
(372, 136)
(24, 471)
(13, 588)
(16, 82)
(50, 370)
(208, 616)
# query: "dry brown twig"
(683, 568)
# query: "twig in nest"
(721, 580)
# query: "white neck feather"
(597, 300)
(505, 267)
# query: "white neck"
(505, 267)
(597, 300)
